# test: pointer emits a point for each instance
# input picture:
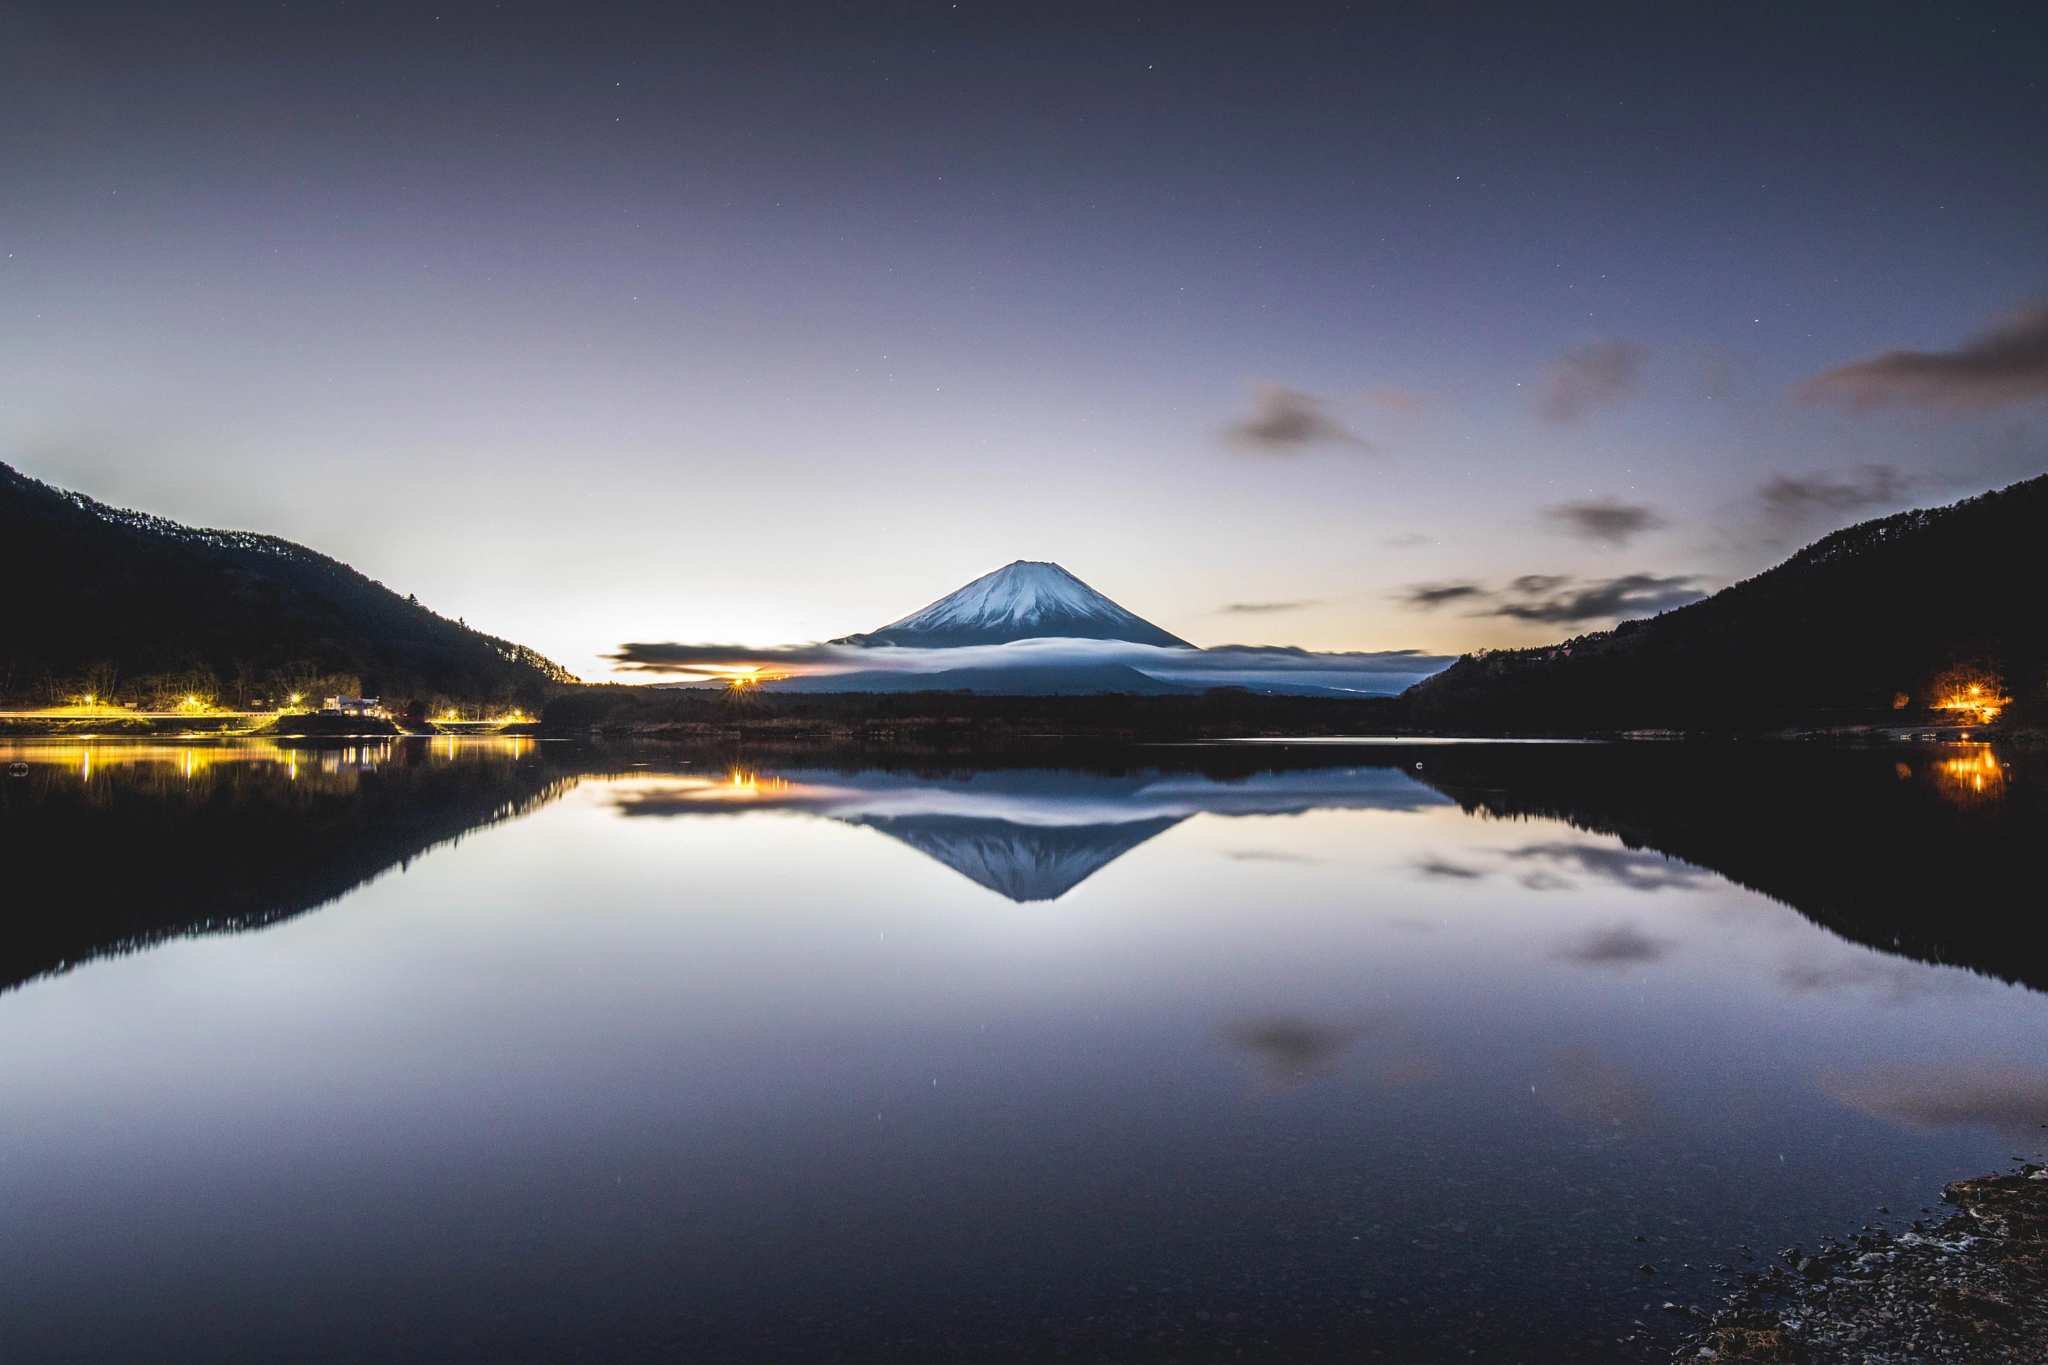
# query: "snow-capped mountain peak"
(1026, 600)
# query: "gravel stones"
(1973, 1288)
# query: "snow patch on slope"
(1020, 601)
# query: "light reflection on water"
(1973, 774)
(746, 1059)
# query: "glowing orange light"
(1975, 703)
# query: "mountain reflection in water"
(1029, 834)
(1928, 851)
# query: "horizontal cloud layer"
(1278, 667)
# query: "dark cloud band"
(2007, 364)
(1559, 600)
(1785, 495)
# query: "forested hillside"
(1887, 619)
(133, 607)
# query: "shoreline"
(1970, 1286)
(296, 725)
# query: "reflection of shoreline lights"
(354, 758)
(746, 784)
(1975, 774)
(90, 758)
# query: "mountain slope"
(96, 592)
(1026, 600)
(1889, 609)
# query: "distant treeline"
(130, 608)
(956, 719)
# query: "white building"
(353, 706)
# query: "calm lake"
(513, 1050)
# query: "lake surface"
(520, 1051)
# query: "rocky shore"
(1970, 1287)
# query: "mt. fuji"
(1033, 629)
(1026, 600)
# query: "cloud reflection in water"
(1585, 1088)
(1631, 868)
(1923, 1097)
(1292, 1049)
(1618, 945)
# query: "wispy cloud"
(1589, 377)
(1266, 608)
(1558, 599)
(2006, 364)
(1608, 521)
(1791, 497)
(1286, 421)
(1430, 596)
(1629, 596)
